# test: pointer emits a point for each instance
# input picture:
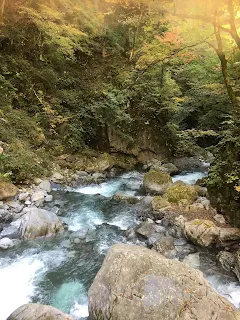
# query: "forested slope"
(120, 76)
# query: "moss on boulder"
(159, 203)
(156, 181)
(179, 192)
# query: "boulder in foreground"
(138, 283)
(34, 311)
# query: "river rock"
(57, 177)
(6, 243)
(7, 190)
(45, 186)
(23, 196)
(40, 223)
(148, 228)
(34, 311)
(5, 216)
(49, 198)
(206, 233)
(201, 232)
(138, 283)
(38, 197)
(164, 245)
(121, 196)
(10, 231)
(15, 206)
(227, 260)
(156, 182)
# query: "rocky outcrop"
(156, 182)
(205, 233)
(34, 311)
(40, 223)
(7, 190)
(138, 283)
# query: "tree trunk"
(232, 21)
(224, 68)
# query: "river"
(59, 270)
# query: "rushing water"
(59, 270)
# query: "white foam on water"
(106, 189)
(79, 311)
(85, 220)
(189, 177)
(17, 284)
(230, 290)
(123, 222)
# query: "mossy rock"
(7, 190)
(156, 181)
(104, 162)
(159, 203)
(179, 192)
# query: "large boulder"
(180, 192)
(7, 190)
(138, 283)
(34, 311)
(205, 232)
(40, 223)
(156, 182)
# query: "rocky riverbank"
(172, 217)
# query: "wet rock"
(155, 238)
(34, 311)
(227, 260)
(219, 218)
(55, 210)
(193, 260)
(7, 190)
(187, 164)
(121, 196)
(49, 198)
(45, 186)
(15, 206)
(38, 197)
(156, 182)
(164, 245)
(6, 243)
(138, 283)
(23, 196)
(40, 223)
(147, 229)
(11, 232)
(5, 216)
(130, 234)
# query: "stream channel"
(59, 270)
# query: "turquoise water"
(60, 270)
